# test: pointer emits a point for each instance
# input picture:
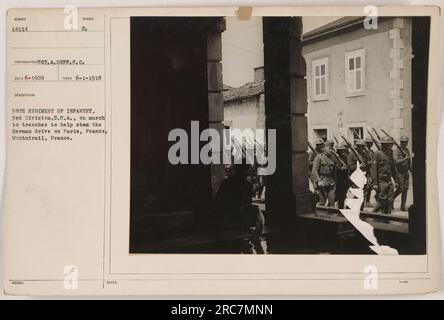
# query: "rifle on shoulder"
(312, 149)
(377, 135)
(338, 158)
(395, 143)
(352, 149)
(374, 140)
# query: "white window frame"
(319, 127)
(318, 63)
(350, 75)
(351, 135)
(350, 125)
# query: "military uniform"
(370, 154)
(352, 161)
(311, 157)
(342, 179)
(365, 166)
(403, 166)
(363, 154)
(323, 177)
(233, 203)
(383, 170)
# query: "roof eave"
(312, 37)
(246, 97)
(331, 32)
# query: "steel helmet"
(386, 139)
(404, 139)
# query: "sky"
(242, 48)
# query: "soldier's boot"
(384, 207)
(377, 207)
(398, 191)
(367, 198)
(389, 207)
(317, 198)
(322, 203)
(322, 197)
(331, 198)
(403, 200)
(341, 201)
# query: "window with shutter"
(355, 71)
(320, 79)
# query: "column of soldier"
(387, 170)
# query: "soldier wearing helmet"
(342, 179)
(352, 159)
(404, 166)
(383, 172)
(341, 148)
(319, 148)
(330, 151)
(323, 175)
(365, 161)
(343, 153)
(368, 146)
(329, 144)
(370, 156)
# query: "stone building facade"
(359, 78)
(244, 107)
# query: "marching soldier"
(403, 166)
(233, 202)
(368, 147)
(352, 158)
(383, 171)
(323, 175)
(343, 152)
(342, 180)
(370, 155)
(365, 164)
(319, 148)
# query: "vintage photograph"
(278, 135)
